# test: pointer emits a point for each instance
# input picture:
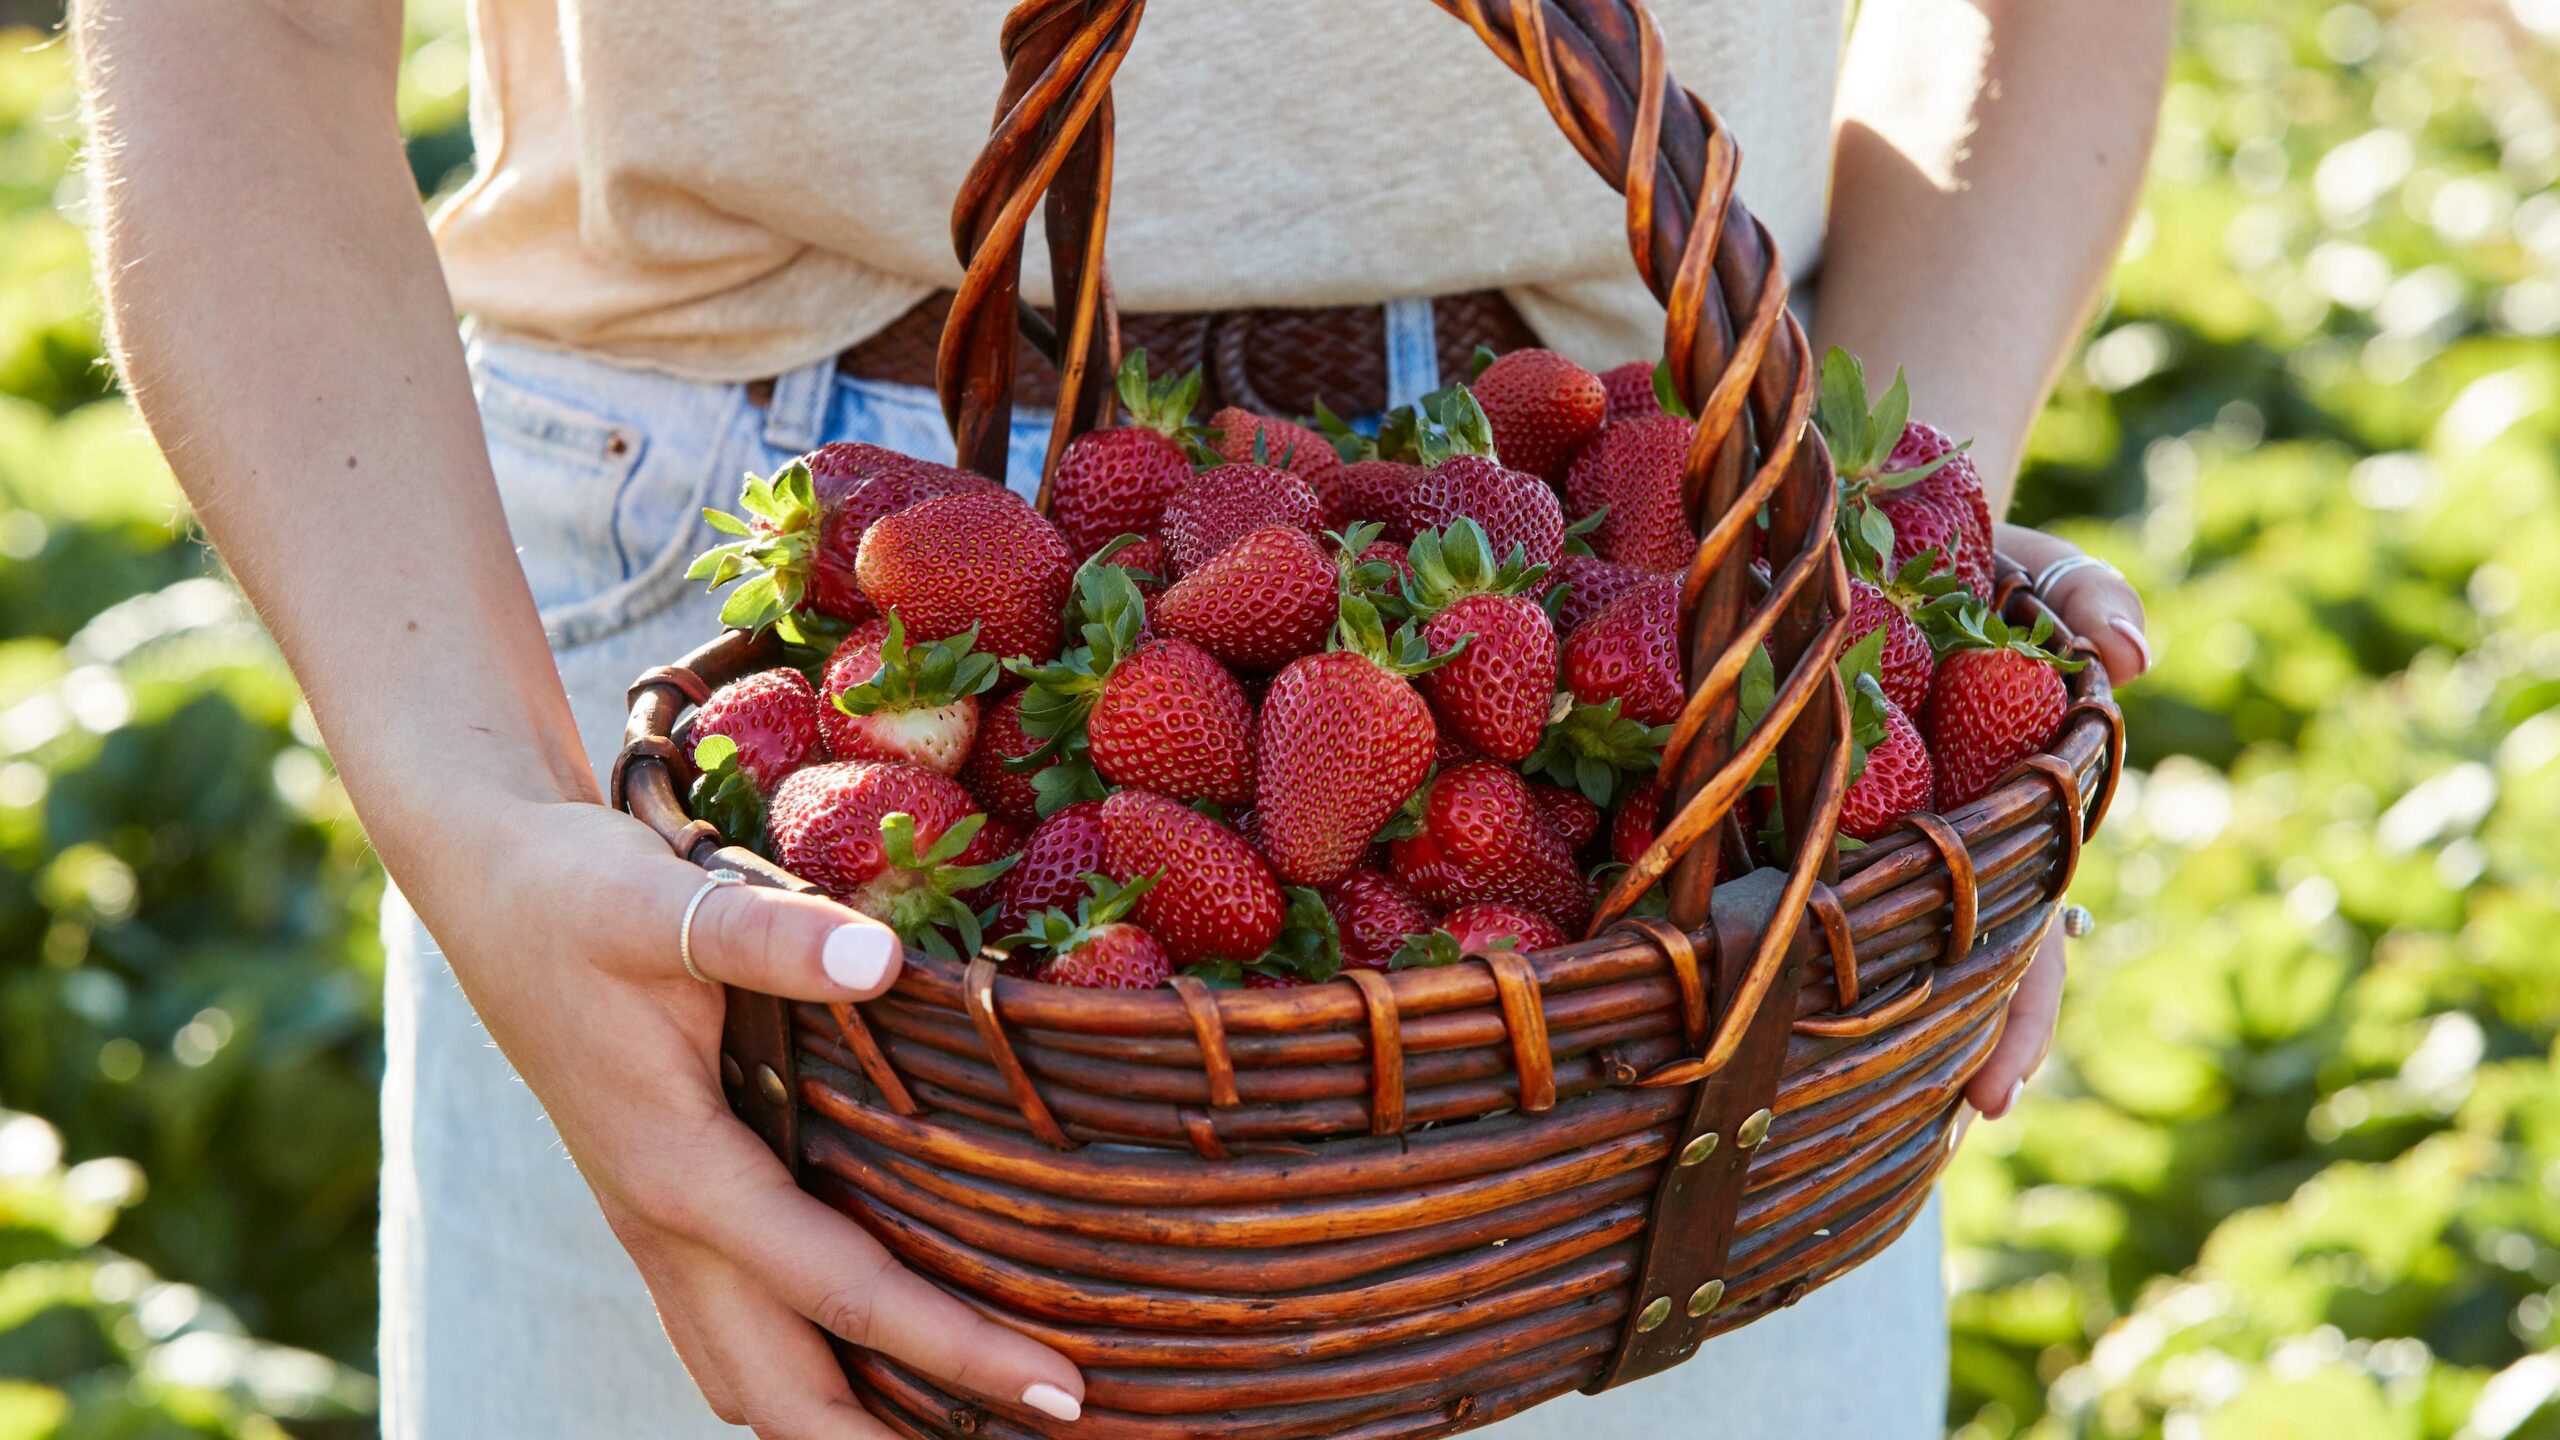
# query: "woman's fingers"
(2093, 601)
(2025, 1035)
(785, 1382)
(801, 947)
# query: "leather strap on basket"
(1736, 355)
(1682, 1276)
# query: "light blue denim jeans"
(508, 1311)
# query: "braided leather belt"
(1274, 361)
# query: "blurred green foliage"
(2295, 1168)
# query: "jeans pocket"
(601, 508)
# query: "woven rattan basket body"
(1407, 1204)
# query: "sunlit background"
(2294, 1173)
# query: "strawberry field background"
(2295, 1168)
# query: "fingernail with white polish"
(857, 955)
(1048, 1399)
(2133, 636)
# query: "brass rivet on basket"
(1706, 1297)
(771, 1084)
(1753, 1130)
(2077, 922)
(1652, 1316)
(1698, 1149)
(730, 1074)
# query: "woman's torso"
(728, 192)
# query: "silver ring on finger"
(2077, 922)
(716, 880)
(2072, 564)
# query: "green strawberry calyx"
(723, 794)
(924, 902)
(1974, 625)
(777, 537)
(1162, 404)
(1110, 614)
(1107, 902)
(1594, 748)
(1450, 423)
(1452, 564)
(1666, 390)
(1363, 631)
(1860, 667)
(921, 677)
(1862, 437)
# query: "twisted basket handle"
(1738, 358)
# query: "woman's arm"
(1990, 156)
(284, 328)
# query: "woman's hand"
(2097, 603)
(568, 951)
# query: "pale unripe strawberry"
(889, 700)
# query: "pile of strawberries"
(1260, 700)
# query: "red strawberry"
(1007, 793)
(1375, 913)
(1633, 471)
(1595, 583)
(803, 528)
(1482, 837)
(1159, 713)
(1570, 811)
(1373, 490)
(1114, 482)
(1910, 474)
(1258, 604)
(1499, 682)
(1489, 924)
(1343, 740)
(886, 839)
(1629, 653)
(1630, 388)
(1147, 562)
(1095, 947)
(1543, 409)
(1633, 826)
(1214, 898)
(1062, 850)
(1897, 607)
(893, 701)
(1897, 780)
(1998, 698)
(1223, 505)
(1244, 438)
(983, 559)
(771, 716)
(1514, 508)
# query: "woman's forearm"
(1990, 156)
(284, 328)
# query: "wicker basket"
(1407, 1204)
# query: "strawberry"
(893, 701)
(1214, 898)
(1061, 851)
(1998, 698)
(1481, 836)
(853, 828)
(1147, 562)
(1477, 928)
(803, 528)
(1629, 652)
(1515, 509)
(1375, 913)
(1394, 557)
(1631, 392)
(1543, 409)
(1228, 502)
(1114, 482)
(1897, 779)
(746, 738)
(1494, 690)
(1008, 794)
(1258, 604)
(1593, 583)
(1157, 712)
(1373, 490)
(1572, 813)
(1096, 948)
(1633, 825)
(1241, 437)
(1899, 607)
(1905, 488)
(1343, 740)
(983, 559)
(1630, 478)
